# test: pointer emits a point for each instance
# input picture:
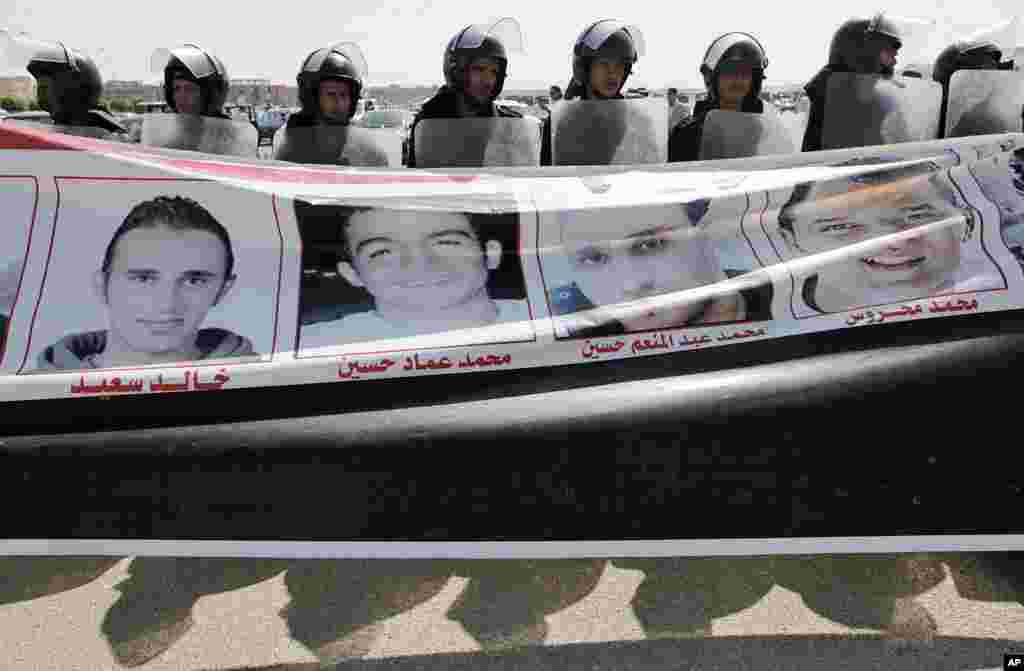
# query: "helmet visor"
(1005, 36)
(913, 36)
(599, 33)
(506, 30)
(17, 51)
(194, 58)
(736, 48)
(350, 51)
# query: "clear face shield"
(193, 57)
(350, 51)
(747, 52)
(1005, 36)
(599, 34)
(18, 50)
(506, 30)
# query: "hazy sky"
(403, 41)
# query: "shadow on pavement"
(337, 607)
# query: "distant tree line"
(18, 104)
(24, 104)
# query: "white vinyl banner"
(131, 270)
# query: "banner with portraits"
(130, 270)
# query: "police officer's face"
(335, 99)
(734, 83)
(840, 216)
(482, 78)
(162, 283)
(187, 96)
(654, 251)
(887, 57)
(418, 260)
(672, 97)
(606, 77)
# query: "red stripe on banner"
(19, 137)
(307, 176)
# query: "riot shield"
(866, 110)
(209, 135)
(742, 134)
(339, 145)
(477, 143)
(609, 132)
(982, 102)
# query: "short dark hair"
(672, 89)
(176, 213)
(555, 87)
(802, 191)
(325, 227)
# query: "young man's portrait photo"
(145, 293)
(880, 237)
(1001, 179)
(645, 268)
(442, 277)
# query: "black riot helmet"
(857, 43)
(342, 62)
(75, 81)
(974, 55)
(734, 48)
(608, 38)
(480, 41)
(193, 63)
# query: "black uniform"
(301, 119)
(444, 105)
(815, 90)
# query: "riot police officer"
(733, 71)
(860, 45)
(330, 83)
(195, 82)
(475, 65)
(603, 57)
(602, 60)
(980, 54)
(71, 84)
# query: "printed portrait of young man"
(18, 195)
(165, 267)
(376, 274)
(882, 237)
(1001, 179)
(9, 279)
(631, 269)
